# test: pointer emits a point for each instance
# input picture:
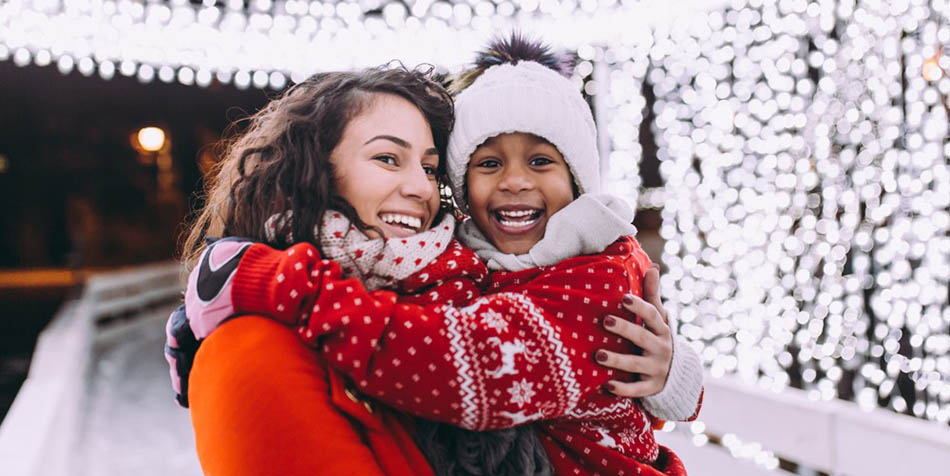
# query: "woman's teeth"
(518, 218)
(403, 220)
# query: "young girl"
(525, 352)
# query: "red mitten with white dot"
(279, 284)
(454, 278)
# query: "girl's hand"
(654, 337)
(208, 292)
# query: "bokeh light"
(807, 193)
(151, 138)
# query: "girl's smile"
(517, 219)
(516, 182)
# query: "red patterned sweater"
(439, 349)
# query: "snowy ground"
(132, 424)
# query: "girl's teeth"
(518, 224)
(516, 214)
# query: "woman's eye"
(386, 159)
(537, 161)
(430, 170)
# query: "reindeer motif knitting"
(508, 352)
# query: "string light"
(296, 38)
(807, 196)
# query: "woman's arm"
(670, 371)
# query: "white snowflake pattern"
(521, 392)
(635, 435)
(494, 320)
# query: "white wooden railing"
(38, 434)
(835, 437)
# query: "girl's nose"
(515, 179)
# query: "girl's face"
(516, 181)
(385, 167)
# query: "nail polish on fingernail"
(610, 387)
(610, 321)
(627, 299)
(601, 356)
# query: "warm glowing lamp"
(151, 139)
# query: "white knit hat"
(524, 97)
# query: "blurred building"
(78, 189)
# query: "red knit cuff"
(253, 282)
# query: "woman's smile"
(400, 224)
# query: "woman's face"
(515, 182)
(385, 167)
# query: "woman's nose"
(417, 184)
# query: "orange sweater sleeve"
(261, 405)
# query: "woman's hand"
(654, 337)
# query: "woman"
(252, 378)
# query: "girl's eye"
(430, 170)
(489, 163)
(386, 159)
(538, 161)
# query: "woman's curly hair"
(281, 161)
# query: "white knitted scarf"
(585, 226)
(377, 262)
